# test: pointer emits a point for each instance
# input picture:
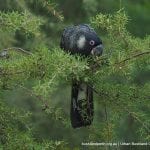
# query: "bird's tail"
(82, 107)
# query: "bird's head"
(90, 44)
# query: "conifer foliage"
(120, 80)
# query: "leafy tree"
(121, 94)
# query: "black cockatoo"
(83, 40)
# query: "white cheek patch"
(81, 42)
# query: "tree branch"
(101, 59)
(107, 122)
(51, 9)
(10, 73)
(132, 57)
(134, 115)
(4, 51)
(39, 97)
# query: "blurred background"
(74, 12)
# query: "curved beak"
(98, 50)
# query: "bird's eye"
(92, 42)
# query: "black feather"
(82, 106)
